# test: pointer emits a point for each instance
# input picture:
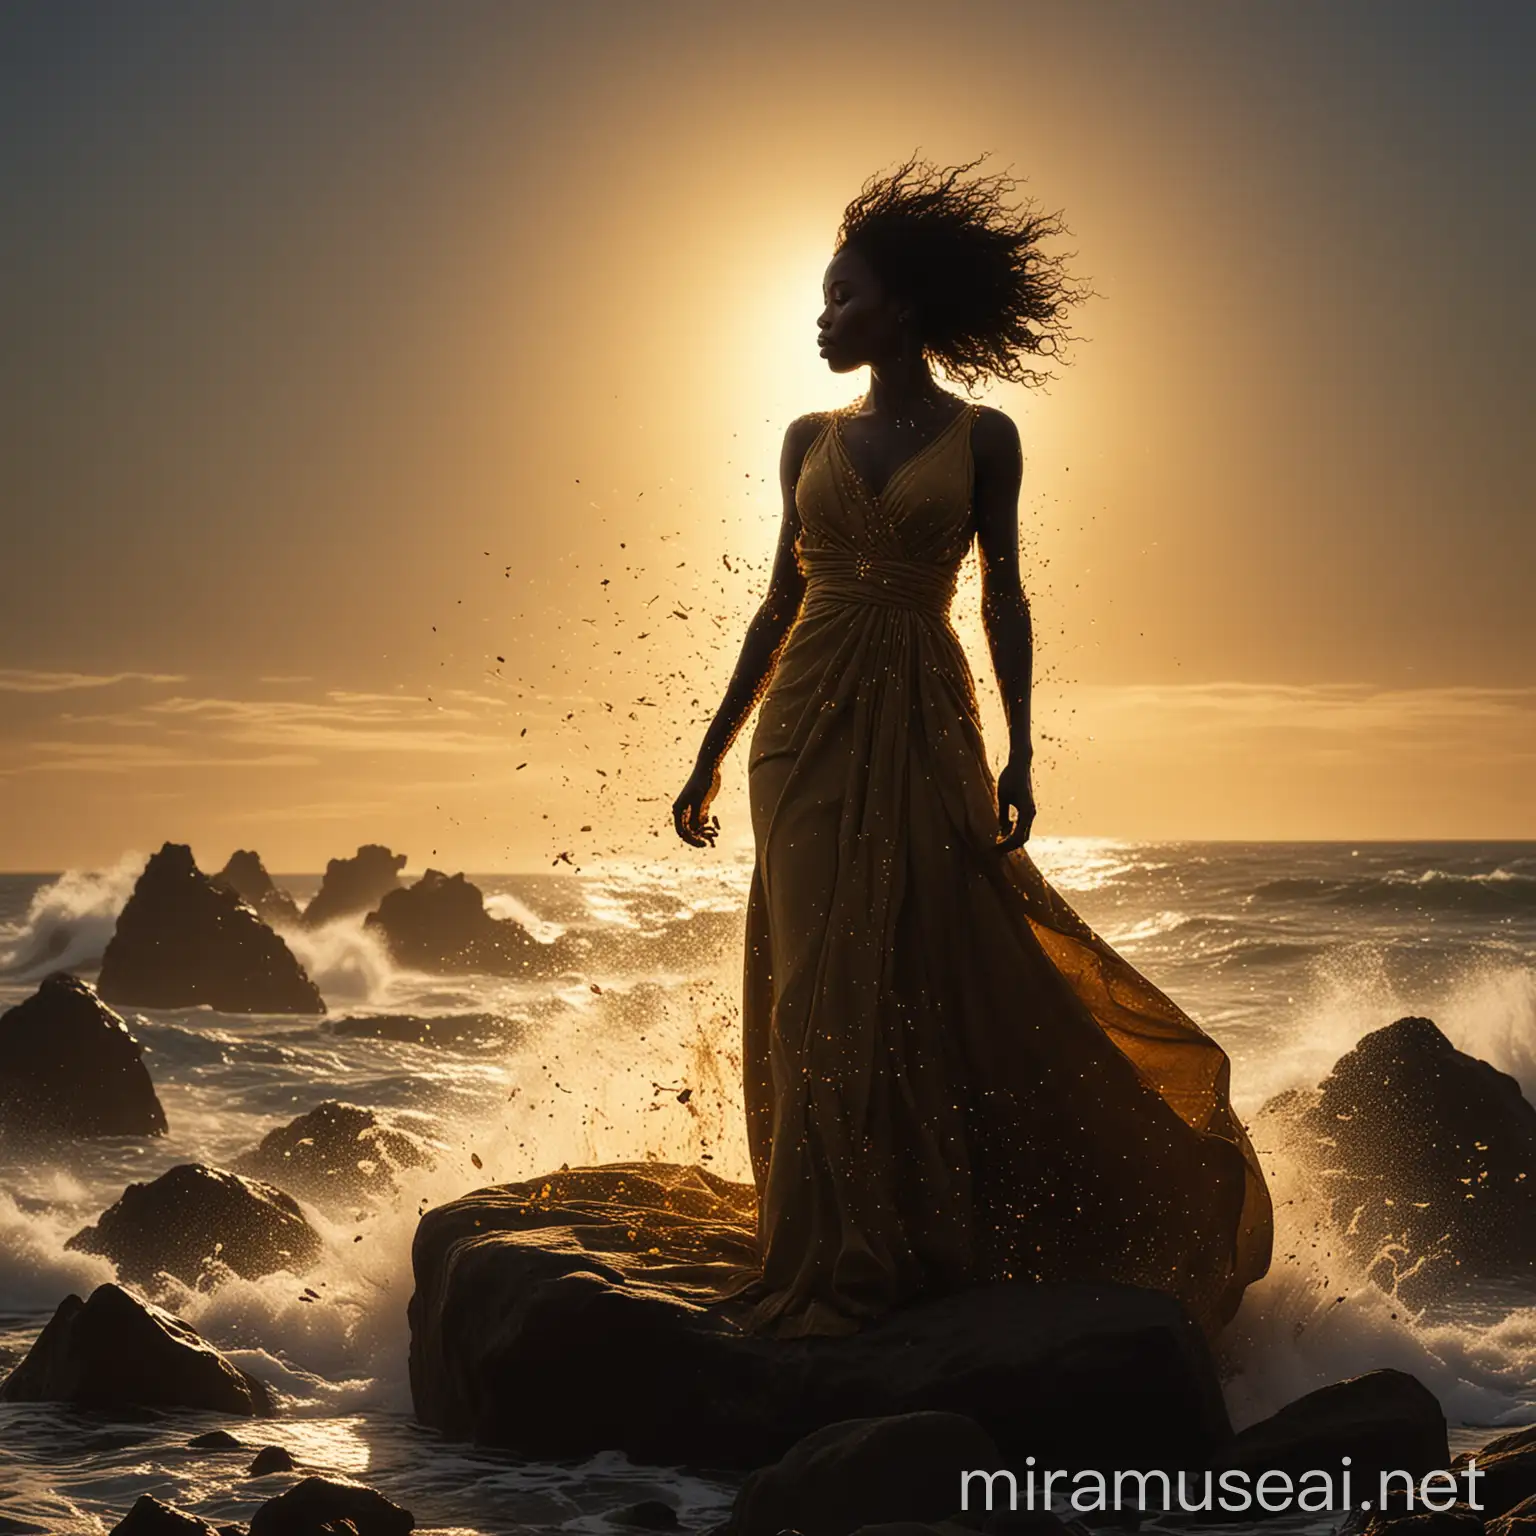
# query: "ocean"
(1285, 952)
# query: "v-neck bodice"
(899, 548)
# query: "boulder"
(1425, 1155)
(1385, 1420)
(1519, 1521)
(183, 940)
(865, 1472)
(355, 885)
(194, 1217)
(270, 1459)
(566, 1315)
(1508, 1478)
(247, 877)
(215, 1440)
(335, 1155)
(69, 1067)
(316, 1502)
(440, 924)
(149, 1517)
(117, 1351)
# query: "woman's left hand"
(1015, 805)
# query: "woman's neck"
(900, 388)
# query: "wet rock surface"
(1425, 1155)
(247, 877)
(334, 1155)
(184, 940)
(193, 1219)
(116, 1350)
(440, 924)
(69, 1067)
(356, 885)
(548, 1319)
(316, 1502)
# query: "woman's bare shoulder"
(798, 437)
(994, 434)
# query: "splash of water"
(69, 922)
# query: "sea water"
(1286, 952)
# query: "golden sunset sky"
(393, 395)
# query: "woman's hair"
(985, 296)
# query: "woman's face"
(858, 323)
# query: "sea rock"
(440, 924)
(193, 1218)
(316, 1502)
(247, 877)
(355, 885)
(1519, 1521)
(117, 1351)
(270, 1459)
(184, 940)
(215, 1440)
(69, 1067)
(864, 1472)
(560, 1316)
(335, 1155)
(645, 1515)
(1384, 1420)
(149, 1517)
(1426, 1156)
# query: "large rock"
(440, 924)
(116, 1351)
(184, 940)
(865, 1471)
(194, 1217)
(247, 877)
(69, 1067)
(1383, 1421)
(562, 1316)
(1426, 1156)
(355, 885)
(335, 1155)
(149, 1517)
(317, 1503)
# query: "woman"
(949, 1078)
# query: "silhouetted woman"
(949, 1078)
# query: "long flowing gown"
(949, 1077)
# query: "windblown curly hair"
(986, 297)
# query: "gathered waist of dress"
(843, 577)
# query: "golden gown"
(949, 1078)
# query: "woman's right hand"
(690, 811)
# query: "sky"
(393, 395)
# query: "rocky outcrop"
(1425, 1155)
(561, 1316)
(247, 877)
(867, 1472)
(335, 1155)
(440, 924)
(150, 1517)
(116, 1351)
(315, 1503)
(184, 940)
(69, 1067)
(192, 1219)
(355, 885)
(1383, 1420)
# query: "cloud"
(20, 680)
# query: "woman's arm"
(1005, 610)
(759, 651)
